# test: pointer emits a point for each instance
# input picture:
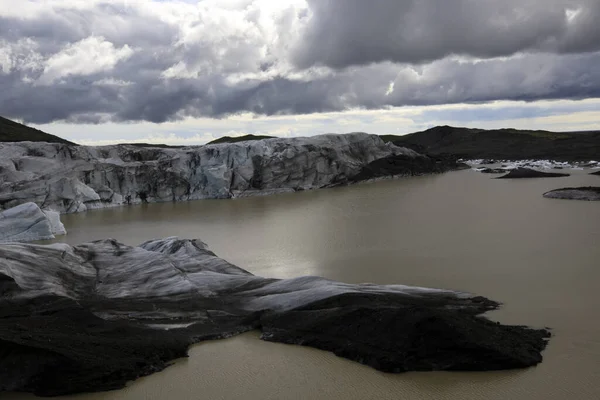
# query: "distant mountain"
(503, 143)
(162, 146)
(235, 139)
(11, 131)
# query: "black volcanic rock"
(520, 173)
(589, 193)
(101, 314)
(402, 165)
(406, 337)
(493, 171)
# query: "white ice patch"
(56, 224)
(24, 223)
(148, 283)
(534, 164)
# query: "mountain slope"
(11, 131)
(236, 139)
(503, 143)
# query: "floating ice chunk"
(27, 223)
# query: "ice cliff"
(77, 178)
(27, 223)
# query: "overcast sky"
(187, 72)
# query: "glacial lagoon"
(460, 230)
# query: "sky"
(187, 72)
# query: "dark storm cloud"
(157, 100)
(415, 31)
(107, 62)
(527, 78)
(119, 25)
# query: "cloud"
(417, 31)
(86, 57)
(100, 61)
(558, 115)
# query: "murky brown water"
(462, 230)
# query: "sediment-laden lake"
(460, 230)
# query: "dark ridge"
(11, 131)
(393, 338)
(229, 139)
(586, 193)
(502, 144)
(493, 171)
(596, 173)
(520, 173)
(162, 146)
(390, 138)
(401, 165)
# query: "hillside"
(503, 143)
(11, 131)
(235, 139)
(160, 146)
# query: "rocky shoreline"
(101, 314)
(525, 173)
(589, 193)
